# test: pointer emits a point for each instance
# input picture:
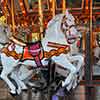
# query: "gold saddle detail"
(13, 53)
(46, 54)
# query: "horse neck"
(3, 35)
(53, 32)
(74, 48)
(1, 46)
(17, 47)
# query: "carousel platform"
(4, 94)
(96, 70)
(81, 93)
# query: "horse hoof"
(19, 91)
(34, 90)
(13, 94)
(63, 84)
(78, 73)
(67, 92)
(25, 90)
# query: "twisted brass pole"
(64, 6)
(12, 13)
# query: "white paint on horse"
(53, 34)
(4, 30)
(97, 54)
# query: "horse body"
(64, 59)
(53, 34)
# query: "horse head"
(5, 31)
(69, 28)
(4, 34)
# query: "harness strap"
(13, 53)
(46, 54)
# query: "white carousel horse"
(55, 34)
(54, 27)
(97, 55)
(97, 50)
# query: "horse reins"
(64, 30)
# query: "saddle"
(33, 51)
(11, 53)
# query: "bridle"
(63, 22)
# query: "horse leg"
(8, 64)
(79, 59)
(79, 66)
(63, 61)
(4, 76)
(21, 85)
(13, 76)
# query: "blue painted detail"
(55, 97)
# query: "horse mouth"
(71, 40)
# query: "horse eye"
(66, 24)
(4, 31)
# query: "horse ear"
(67, 12)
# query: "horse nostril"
(4, 31)
(66, 25)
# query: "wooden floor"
(4, 94)
(81, 93)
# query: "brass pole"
(4, 9)
(27, 5)
(91, 16)
(84, 41)
(40, 15)
(6, 12)
(86, 6)
(82, 4)
(12, 13)
(40, 18)
(91, 32)
(53, 8)
(64, 6)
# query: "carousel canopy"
(32, 16)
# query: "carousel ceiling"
(23, 8)
(29, 15)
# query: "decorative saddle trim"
(57, 52)
(36, 50)
(13, 53)
(44, 54)
(28, 55)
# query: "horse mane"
(54, 20)
(5, 34)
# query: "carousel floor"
(81, 93)
(96, 69)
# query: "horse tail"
(1, 46)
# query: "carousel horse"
(60, 24)
(62, 33)
(97, 50)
